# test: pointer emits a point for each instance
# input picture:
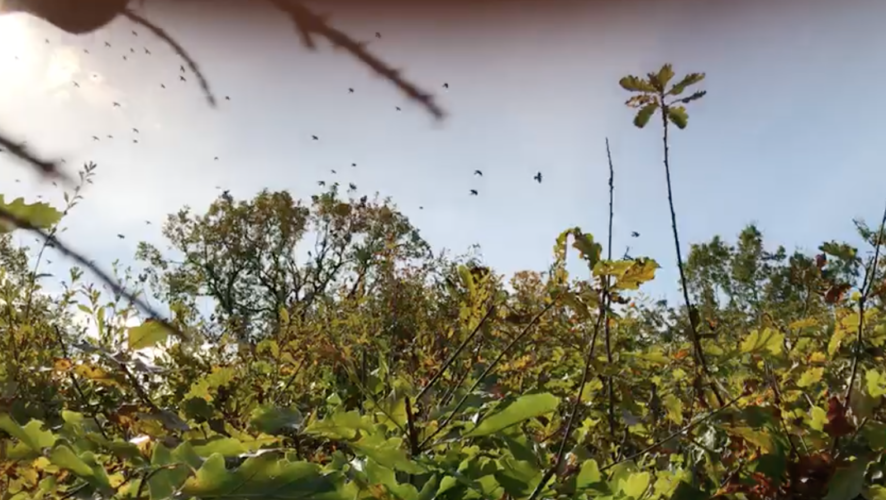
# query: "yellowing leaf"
(95, 373)
(769, 339)
(810, 376)
(818, 357)
(640, 271)
(876, 383)
(819, 418)
(803, 323)
(61, 364)
(675, 408)
(875, 493)
(636, 484)
(147, 334)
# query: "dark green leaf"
(847, 482)
(686, 492)
(678, 116)
(694, 97)
(271, 419)
(687, 81)
(642, 117)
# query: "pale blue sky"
(789, 135)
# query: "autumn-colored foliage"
(327, 352)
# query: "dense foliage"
(322, 350)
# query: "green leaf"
(32, 436)
(633, 83)
(340, 425)
(588, 249)
(261, 477)
(524, 408)
(271, 419)
(769, 339)
(636, 484)
(225, 446)
(847, 482)
(876, 383)
(168, 477)
(588, 475)
(875, 493)
(518, 478)
(772, 466)
(388, 453)
(642, 117)
(39, 215)
(95, 475)
(875, 434)
(380, 475)
(429, 490)
(687, 81)
(675, 408)
(665, 74)
(810, 377)
(678, 116)
(685, 491)
(819, 417)
(148, 334)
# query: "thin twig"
(83, 399)
(163, 35)
(683, 430)
(487, 371)
(696, 343)
(869, 279)
(115, 287)
(589, 357)
(606, 296)
(47, 168)
(308, 23)
(290, 381)
(457, 352)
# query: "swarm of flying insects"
(70, 17)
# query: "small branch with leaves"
(653, 94)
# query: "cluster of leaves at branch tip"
(652, 94)
(332, 355)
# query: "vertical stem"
(869, 278)
(606, 298)
(696, 343)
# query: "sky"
(788, 137)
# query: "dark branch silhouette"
(71, 17)
(307, 23)
(163, 35)
(118, 289)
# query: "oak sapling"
(652, 94)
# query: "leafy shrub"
(365, 366)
